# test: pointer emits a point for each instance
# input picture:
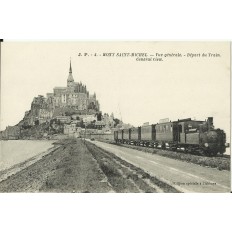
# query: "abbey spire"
(70, 80)
(70, 68)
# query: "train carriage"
(126, 136)
(166, 134)
(116, 136)
(148, 135)
(135, 134)
(120, 136)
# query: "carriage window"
(166, 128)
(171, 128)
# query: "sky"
(135, 91)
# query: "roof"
(70, 77)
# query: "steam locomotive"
(186, 135)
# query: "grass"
(121, 174)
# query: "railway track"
(225, 156)
(185, 175)
(221, 162)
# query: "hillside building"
(74, 98)
(74, 95)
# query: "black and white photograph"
(115, 117)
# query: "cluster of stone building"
(69, 105)
(91, 125)
(74, 96)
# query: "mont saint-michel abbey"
(75, 98)
(74, 95)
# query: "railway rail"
(220, 162)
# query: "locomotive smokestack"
(210, 123)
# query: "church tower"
(70, 80)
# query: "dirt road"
(70, 168)
(186, 177)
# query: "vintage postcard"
(115, 117)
